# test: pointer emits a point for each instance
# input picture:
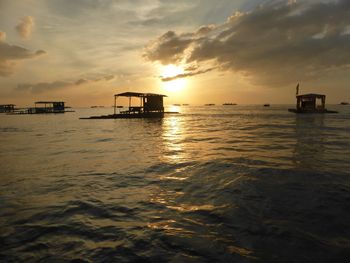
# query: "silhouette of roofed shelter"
(48, 107)
(7, 108)
(311, 103)
(149, 103)
(150, 106)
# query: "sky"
(198, 51)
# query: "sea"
(242, 183)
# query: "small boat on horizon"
(92, 107)
(266, 105)
(209, 104)
(229, 104)
(344, 103)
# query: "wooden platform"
(315, 111)
(130, 116)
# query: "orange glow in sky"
(170, 71)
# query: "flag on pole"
(297, 90)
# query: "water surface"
(212, 184)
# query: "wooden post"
(298, 103)
(323, 102)
(115, 104)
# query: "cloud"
(2, 36)
(205, 30)
(43, 86)
(81, 81)
(10, 54)
(186, 74)
(25, 27)
(168, 48)
(274, 44)
(58, 84)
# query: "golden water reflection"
(173, 140)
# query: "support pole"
(115, 104)
(324, 102)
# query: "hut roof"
(48, 102)
(138, 94)
(311, 95)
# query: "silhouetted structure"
(47, 107)
(43, 107)
(150, 106)
(6, 108)
(149, 103)
(311, 103)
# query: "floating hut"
(150, 106)
(7, 108)
(311, 103)
(43, 107)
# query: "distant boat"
(344, 103)
(231, 104)
(97, 107)
(209, 104)
(176, 104)
(120, 107)
(266, 105)
(185, 104)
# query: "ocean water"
(212, 184)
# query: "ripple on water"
(224, 185)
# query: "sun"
(171, 71)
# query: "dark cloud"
(10, 54)
(58, 85)
(168, 48)
(274, 44)
(81, 81)
(43, 86)
(205, 30)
